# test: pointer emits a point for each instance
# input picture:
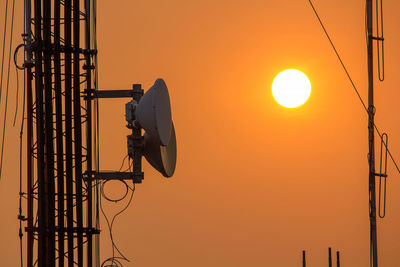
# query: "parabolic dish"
(162, 158)
(154, 112)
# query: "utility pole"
(371, 145)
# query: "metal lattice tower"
(62, 217)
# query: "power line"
(338, 56)
(351, 81)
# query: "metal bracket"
(378, 38)
(113, 175)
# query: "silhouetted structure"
(59, 143)
(329, 258)
(63, 175)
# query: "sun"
(291, 88)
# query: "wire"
(351, 81)
(16, 71)
(116, 199)
(8, 80)
(20, 156)
(123, 161)
(4, 47)
(115, 260)
(20, 217)
(20, 148)
(338, 56)
(16, 98)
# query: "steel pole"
(371, 145)
(29, 136)
(88, 68)
(68, 130)
(49, 142)
(77, 130)
(42, 199)
(59, 134)
(29, 169)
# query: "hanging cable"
(16, 71)
(21, 133)
(6, 100)
(16, 97)
(116, 260)
(4, 47)
(21, 218)
(351, 81)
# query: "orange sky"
(255, 183)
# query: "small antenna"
(329, 257)
(382, 176)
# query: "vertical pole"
(77, 131)
(68, 130)
(304, 258)
(337, 258)
(42, 207)
(29, 136)
(59, 134)
(29, 163)
(89, 136)
(330, 257)
(137, 138)
(371, 145)
(49, 144)
(28, 31)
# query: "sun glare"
(291, 88)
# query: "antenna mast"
(59, 63)
(62, 170)
(371, 145)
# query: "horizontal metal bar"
(378, 38)
(89, 230)
(112, 93)
(113, 175)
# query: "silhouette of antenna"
(63, 174)
(371, 124)
(329, 258)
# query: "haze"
(255, 183)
